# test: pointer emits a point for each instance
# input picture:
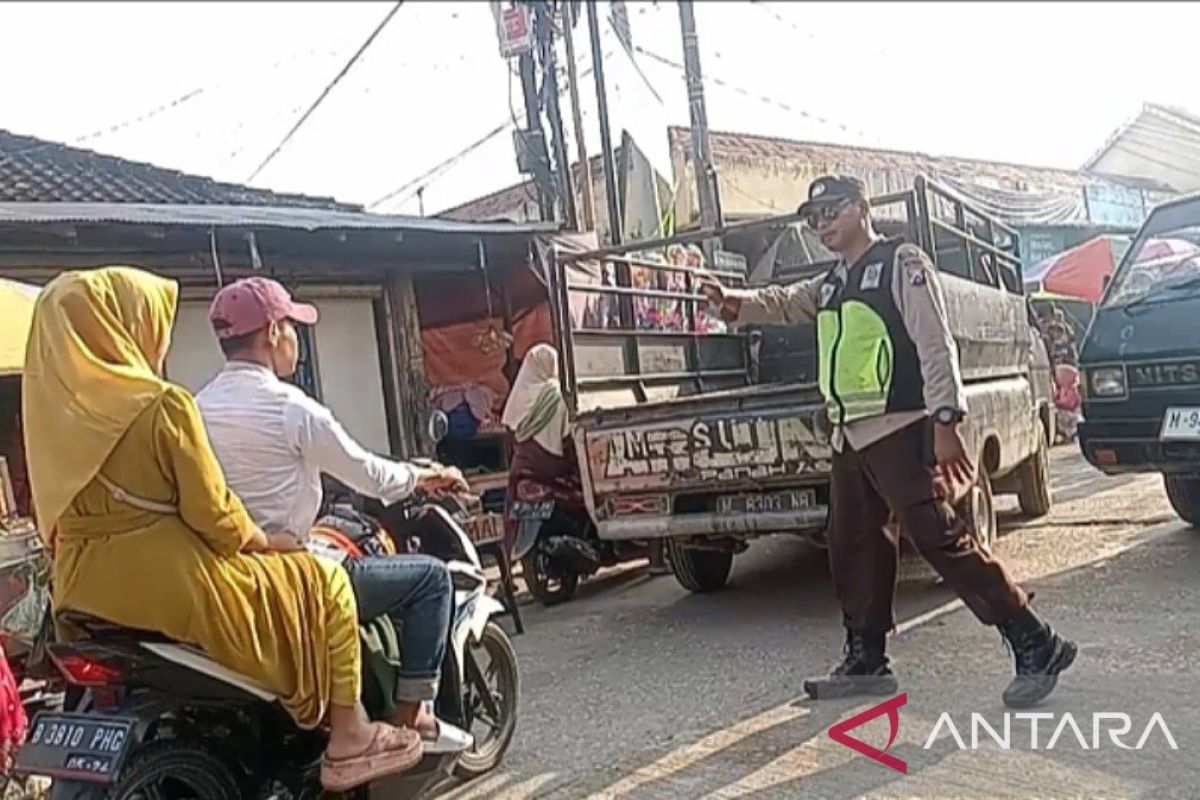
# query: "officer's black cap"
(832, 189)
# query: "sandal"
(392, 751)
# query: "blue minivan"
(1141, 360)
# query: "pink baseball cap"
(247, 305)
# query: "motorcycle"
(151, 718)
(556, 541)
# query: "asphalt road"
(637, 689)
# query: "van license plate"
(1181, 424)
(75, 746)
(766, 503)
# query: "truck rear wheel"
(978, 508)
(1033, 480)
(699, 570)
(1184, 493)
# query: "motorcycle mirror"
(439, 425)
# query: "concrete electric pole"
(706, 172)
(587, 217)
(610, 169)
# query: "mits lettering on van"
(706, 450)
(1170, 373)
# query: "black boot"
(1040, 653)
(864, 670)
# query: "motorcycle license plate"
(766, 503)
(542, 510)
(75, 747)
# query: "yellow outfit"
(96, 406)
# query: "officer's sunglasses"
(826, 213)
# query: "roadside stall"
(24, 566)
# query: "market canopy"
(16, 315)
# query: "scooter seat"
(164, 647)
(96, 628)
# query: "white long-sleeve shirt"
(274, 442)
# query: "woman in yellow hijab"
(145, 534)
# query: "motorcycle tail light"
(82, 671)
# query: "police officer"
(888, 369)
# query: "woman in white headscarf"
(535, 409)
(543, 464)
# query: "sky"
(211, 88)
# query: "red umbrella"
(1078, 272)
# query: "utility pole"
(535, 139)
(706, 172)
(587, 220)
(610, 170)
(545, 37)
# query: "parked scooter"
(159, 719)
(555, 539)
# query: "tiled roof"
(38, 171)
(1016, 193)
(507, 202)
(853, 160)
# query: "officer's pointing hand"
(710, 287)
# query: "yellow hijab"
(91, 367)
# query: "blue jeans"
(415, 592)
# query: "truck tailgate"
(743, 439)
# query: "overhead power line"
(709, 78)
(446, 164)
(409, 189)
(328, 88)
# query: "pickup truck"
(709, 437)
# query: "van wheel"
(979, 510)
(1184, 493)
(1033, 480)
(699, 570)
(171, 769)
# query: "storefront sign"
(1114, 205)
(514, 26)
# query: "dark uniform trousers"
(892, 475)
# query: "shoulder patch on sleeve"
(914, 263)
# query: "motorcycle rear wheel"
(501, 679)
(170, 769)
(547, 589)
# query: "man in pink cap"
(274, 443)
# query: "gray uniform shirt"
(917, 292)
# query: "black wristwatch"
(948, 416)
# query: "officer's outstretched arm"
(792, 304)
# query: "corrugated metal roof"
(237, 216)
(1160, 144)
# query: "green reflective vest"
(868, 364)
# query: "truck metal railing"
(639, 326)
(983, 257)
(636, 328)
